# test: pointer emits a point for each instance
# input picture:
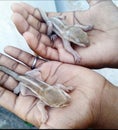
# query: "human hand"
(84, 108)
(102, 51)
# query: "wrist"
(108, 116)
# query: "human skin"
(93, 101)
(102, 51)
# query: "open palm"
(85, 98)
(102, 51)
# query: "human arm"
(102, 51)
(92, 98)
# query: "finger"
(41, 45)
(5, 80)
(18, 19)
(30, 9)
(29, 16)
(28, 25)
(19, 16)
(13, 103)
(7, 99)
(20, 54)
(23, 9)
(47, 49)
